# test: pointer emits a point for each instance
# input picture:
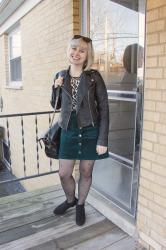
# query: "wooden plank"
(21, 196)
(50, 234)
(31, 215)
(24, 230)
(8, 209)
(124, 244)
(51, 245)
(24, 212)
(74, 238)
(27, 222)
(140, 247)
(86, 234)
(101, 241)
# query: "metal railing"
(21, 116)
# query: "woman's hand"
(101, 149)
(58, 81)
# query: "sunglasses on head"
(84, 38)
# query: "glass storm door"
(117, 30)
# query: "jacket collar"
(86, 72)
(83, 86)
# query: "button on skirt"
(79, 143)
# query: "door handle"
(1, 103)
(139, 86)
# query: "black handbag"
(51, 139)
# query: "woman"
(84, 119)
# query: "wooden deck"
(27, 222)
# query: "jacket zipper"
(71, 102)
(90, 110)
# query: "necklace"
(75, 77)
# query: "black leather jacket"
(92, 102)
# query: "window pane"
(15, 44)
(15, 69)
(114, 31)
(116, 184)
(122, 128)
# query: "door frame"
(124, 95)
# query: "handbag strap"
(56, 102)
(63, 74)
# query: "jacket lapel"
(85, 83)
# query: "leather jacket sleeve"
(54, 92)
(103, 109)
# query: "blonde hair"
(90, 52)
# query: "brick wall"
(45, 32)
(76, 17)
(151, 219)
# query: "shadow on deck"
(27, 222)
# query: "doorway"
(117, 29)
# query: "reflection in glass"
(122, 128)
(15, 44)
(15, 55)
(113, 27)
(113, 180)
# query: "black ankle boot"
(61, 209)
(80, 214)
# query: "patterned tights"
(68, 183)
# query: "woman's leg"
(66, 177)
(86, 168)
(85, 181)
(68, 184)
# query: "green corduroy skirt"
(79, 143)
